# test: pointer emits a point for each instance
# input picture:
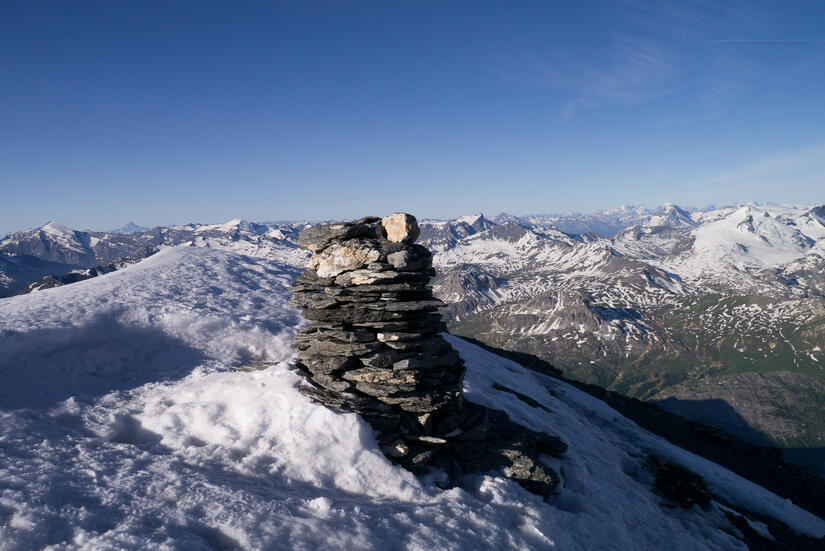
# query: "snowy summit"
(155, 407)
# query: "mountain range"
(717, 315)
(158, 406)
(53, 250)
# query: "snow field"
(125, 425)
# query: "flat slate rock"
(315, 238)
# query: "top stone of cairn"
(397, 228)
(401, 227)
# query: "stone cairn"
(373, 346)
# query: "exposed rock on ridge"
(373, 346)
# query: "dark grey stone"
(352, 314)
(407, 260)
(344, 349)
(310, 279)
(316, 300)
(324, 364)
(315, 238)
(398, 448)
(400, 287)
(412, 305)
(423, 401)
(385, 358)
(354, 335)
(374, 375)
(384, 391)
(330, 383)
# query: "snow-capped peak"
(57, 229)
(670, 216)
(746, 237)
(236, 224)
(818, 213)
(239, 223)
(470, 219)
(130, 227)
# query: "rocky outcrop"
(373, 346)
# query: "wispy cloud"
(663, 48)
(632, 70)
(640, 70)
(688, 19)
(797, 175)
(738, 40)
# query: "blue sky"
(171, 112)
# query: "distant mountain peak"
(239, 223)
(234, 225)
(130, 227)
(670, 215)
(818, 213)
(56, 228)
(470, 218)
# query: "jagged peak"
(471, 219)
(670, 215)
(818, 212)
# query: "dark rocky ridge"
(373, 346)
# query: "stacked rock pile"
(373, 346)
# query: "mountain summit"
(166, 411)
(130, 227)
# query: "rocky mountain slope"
(718, 314)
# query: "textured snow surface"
(124, 424)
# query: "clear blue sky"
(170, 112)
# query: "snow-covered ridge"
(75, 249)
(124, 423)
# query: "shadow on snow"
(42, 367)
